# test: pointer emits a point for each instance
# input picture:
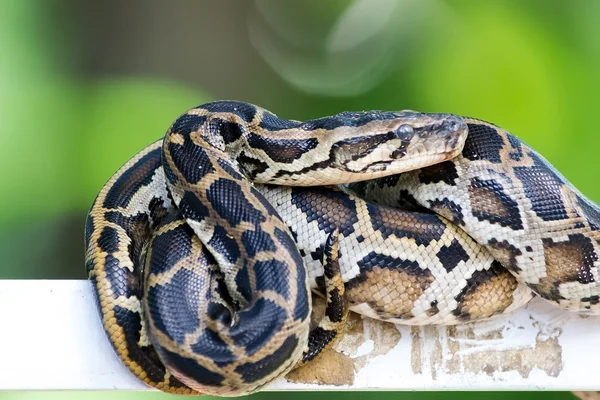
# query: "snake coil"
(203, 248)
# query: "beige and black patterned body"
(190, 311)
(119, 225)
(204, 169)
(398, 266)
(512, 201)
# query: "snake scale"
(203, 248)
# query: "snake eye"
(404, 132)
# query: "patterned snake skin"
(512, 201)
(202, 277)
(226, 309)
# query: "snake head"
(397, 142)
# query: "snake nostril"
(452, 125)
(449, 127)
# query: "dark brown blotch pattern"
(490, 202)
(390, 292)
(568, 261)
(488, 292)
(423, 228)
(330, 209)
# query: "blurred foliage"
(84, 85)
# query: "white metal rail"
(51, 338)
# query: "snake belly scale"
(220, 304)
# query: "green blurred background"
(84, 85)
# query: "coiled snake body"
(202, 268)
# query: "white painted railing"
(51, 338)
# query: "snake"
(202, 250)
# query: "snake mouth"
(398, 153)
(444, 139)
(411, 163)
(407, 147)
(438, 141)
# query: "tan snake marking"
(513, 202)
(220, 304)
(226, 318)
